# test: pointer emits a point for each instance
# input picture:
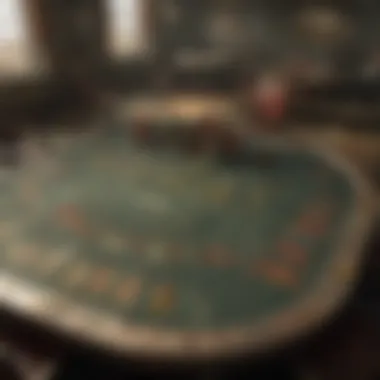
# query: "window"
(16, 50)
(126, 27)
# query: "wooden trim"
(38, 20)
(149, 7)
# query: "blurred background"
(55, 69)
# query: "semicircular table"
(157, 252)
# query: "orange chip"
(315, 220)
(277, 274)
(129, 290)
(163, 298)
(218, 256)
(293, 252)
(72, 217)
(100, 280)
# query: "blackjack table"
(160, 250)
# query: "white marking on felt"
(21, 252)
(155, 203)
(7, 230)
(156, 253)
(58, 258)
(114, 243)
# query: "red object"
(141, 131)
(271, 100)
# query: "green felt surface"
(169, 239)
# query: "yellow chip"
(129, 290)
(223, 191)
(163, 298)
